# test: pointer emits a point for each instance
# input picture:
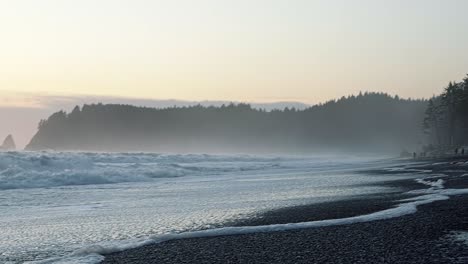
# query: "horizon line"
(31, 100)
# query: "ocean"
(70, 207)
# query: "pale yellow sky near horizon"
(242, 50)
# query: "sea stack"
(8, 143)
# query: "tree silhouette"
(369, 121)
(447, 116)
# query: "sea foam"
(93, 254)
(53, 204)
(38, 170)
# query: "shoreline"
(423, 230)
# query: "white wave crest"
(50, 169)
(438, 184)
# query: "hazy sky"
(243, 50)
(57, 53)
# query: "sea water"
(53, 204)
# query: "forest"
(446, 118)
(367, 122)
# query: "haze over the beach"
(54, 53)
(233, 131)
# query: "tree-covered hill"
(446, 119)
(367, 122)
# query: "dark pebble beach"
(423, 237)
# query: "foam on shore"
(461, 236)
(93, 254)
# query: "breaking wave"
(52, 169)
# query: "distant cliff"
(371, 121)
(8, 143)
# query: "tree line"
(446, 117)
(364, 122)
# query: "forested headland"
(365, 122)
(446, 118)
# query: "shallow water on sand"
(52, 204)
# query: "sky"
(235, 50)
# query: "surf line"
(408, 206)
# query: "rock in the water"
(8, 143)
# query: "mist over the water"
(22, 120)
(371, 122)
(242, 131)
